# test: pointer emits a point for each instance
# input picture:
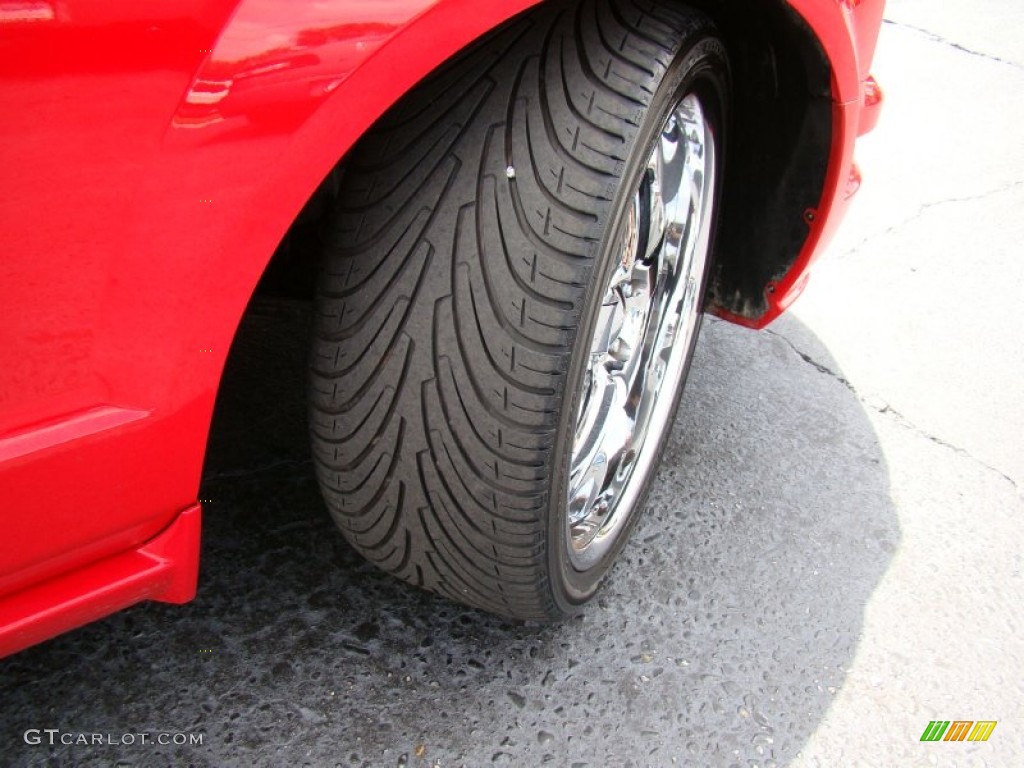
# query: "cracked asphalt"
(831, 557)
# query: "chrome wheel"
(644, 333)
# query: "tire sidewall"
(700, 66)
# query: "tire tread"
(447, 309)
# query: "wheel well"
(777, 151)
(779, 140)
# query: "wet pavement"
(831, 557)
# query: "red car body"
(154, 155)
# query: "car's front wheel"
(511, 299)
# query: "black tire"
(445, 369)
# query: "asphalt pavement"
(831, 558)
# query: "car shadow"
(721, 637)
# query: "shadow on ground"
(720, 638)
